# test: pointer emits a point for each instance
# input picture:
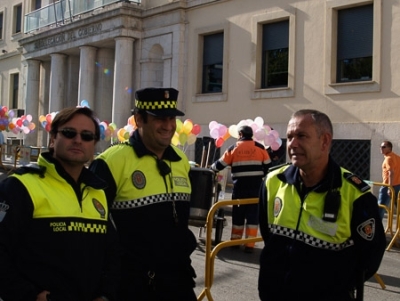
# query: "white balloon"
(259, 121)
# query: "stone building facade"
(112, 48)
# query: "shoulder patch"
(357, 182)
(31, 168)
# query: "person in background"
(149, 193)
(57, 241)
(390, 175)
(249, 163)
(320, 223)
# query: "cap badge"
(166, 94)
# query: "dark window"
(18, 18)
(354, 44)
(1, 25)
(275, 51)
(213, 46)
(38, 4)
(15, 87)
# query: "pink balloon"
(259, 134)
(212, 124)
(222, 129)
(275, 146)
(214, 133)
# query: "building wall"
(167, 51)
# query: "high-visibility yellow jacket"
(55, 234)
(306, 256)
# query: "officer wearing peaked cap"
(149, 193)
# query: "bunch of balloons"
(262, 133)
(219, 132)
(124, 133)
(46, 120)
(107, 130)
(16, 125)
(5, 115)
(186, 133)
(22, 124)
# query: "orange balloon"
(226, 136)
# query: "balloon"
(274, 145)
(222, 130)
(182, 138)
(212, 124)
(29, 118)
(259, 121)
(187, 126)
(259, 134)
(191, 139)
(175, 139)
(84, 103)
(49, 118)
(226, 136)
(131, 121)
(179, 126)
(233, 131)
(214, 133)
(219, 142)
(196, 129)
(274, 133)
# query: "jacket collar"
(332, 179)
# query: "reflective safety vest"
(55, 199)
(291, 217)
(138, 178)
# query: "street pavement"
(236, 272)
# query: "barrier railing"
(390, 214)
(210, 253)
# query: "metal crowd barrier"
(390, 214)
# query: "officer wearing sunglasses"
(56, 237)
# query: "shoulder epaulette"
(31, 168)
(356, 181)
(278, 166)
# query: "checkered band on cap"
(155, 105)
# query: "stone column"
(32, 99)
(87, 75)
(57, 83)
(123, 90)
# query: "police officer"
(56, 240)
(149, 192)
(319, 222)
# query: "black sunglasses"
(71, 133)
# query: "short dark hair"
(322, 122)
(246, 131)
(65, 115)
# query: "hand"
(42, 296)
